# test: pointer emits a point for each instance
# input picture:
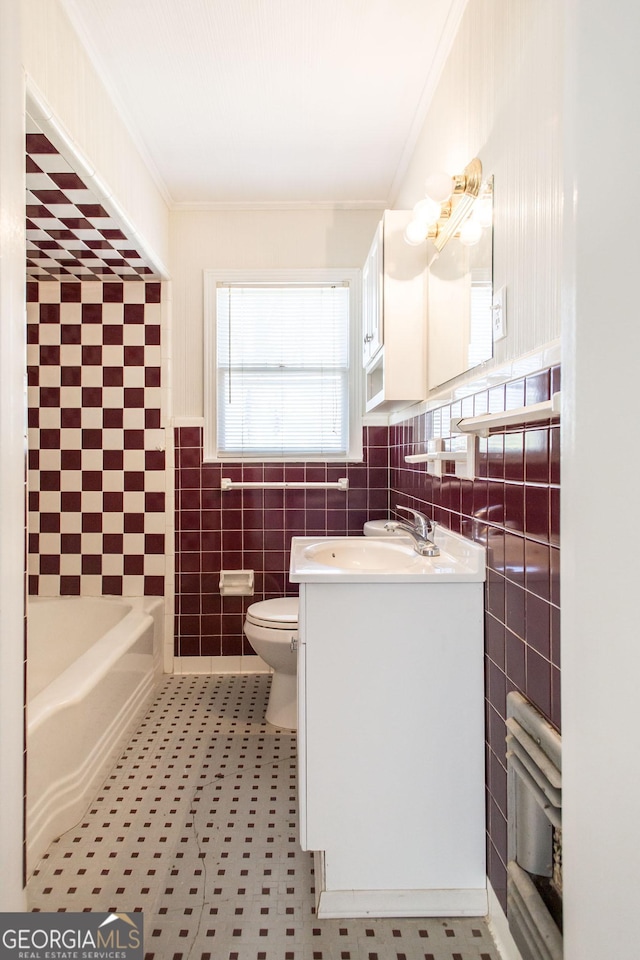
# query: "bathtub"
(93, 663)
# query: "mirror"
(460, 293)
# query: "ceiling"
(242, 103)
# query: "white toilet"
(270, 626)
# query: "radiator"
(534, 821)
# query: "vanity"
(391, 725)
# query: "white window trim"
(212, 278)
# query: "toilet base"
(282, 709)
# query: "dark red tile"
(154, 586)
(515, 608)
(112, 543)
(514, 558)
(538, 569)
(536, 456)
(538, 624)
(496, 592)
(69, 586)
(537, 512)
(514, 506)
(554, 455)
(134, 523)
(538, 387)
(70, 333)
(515, 660)
(538, 688)
(92, 313)
(152, 292)
(134, 313)
(514, 456)
(112, 292)
(112, 334)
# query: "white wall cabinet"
(394, 314)
(391, 752)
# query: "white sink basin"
(384, 560)
(360, 553)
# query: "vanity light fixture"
(450, 208)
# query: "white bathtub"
(93, 663)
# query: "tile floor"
(196, 828)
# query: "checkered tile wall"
(70, 234)
(96, 478)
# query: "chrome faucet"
(421, 531)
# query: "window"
(278, 378)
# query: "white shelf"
(532, 413)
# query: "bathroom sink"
(384, 560)
(361, 553)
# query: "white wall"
(243, 239)
(500, 98)
(600, 515)
(60, 70)
(13, 445)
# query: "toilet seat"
(279, 613)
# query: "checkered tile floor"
(196, 827)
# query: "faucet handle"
(422, 523)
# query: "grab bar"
(487, 421)
(226, 483)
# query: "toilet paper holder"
(236, 583)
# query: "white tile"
(91, 585)
(92, 460)
(49, 501)
(112, 439)
(49, 376)
(91, 333)
(154, 564)
(70, 522)
(91, 418)
(91, 375)
(112, 565)
(91, 292)
(113, 522)
(71, 397)
(112, 313)
(91, 501)
(132, 586)
(49, 333)
(133, 334)
(113, 397)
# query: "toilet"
(270, 626)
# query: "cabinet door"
(372, 320)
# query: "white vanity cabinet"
(391, 745)
(394, 317)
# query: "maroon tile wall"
(96, 491)
(252, 529)
(511, 508)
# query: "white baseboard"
(248, 664)
(499, 928)
(333, 904)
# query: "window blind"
(282, 369)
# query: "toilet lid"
(277, 612)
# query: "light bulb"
(483, 211)
(416, 232)
(470, 232)
(426, 211)
(439, 186)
